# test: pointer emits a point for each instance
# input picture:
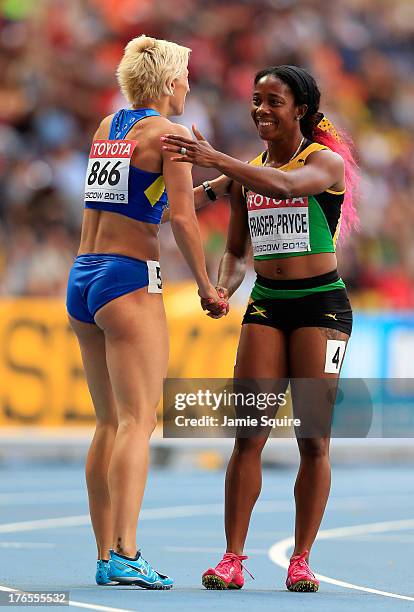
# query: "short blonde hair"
(148, 66)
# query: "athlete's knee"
(142, 422)
(107, 425)
(313, 448)
(249, 446)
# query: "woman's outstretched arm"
(221, 187)
(322, 170)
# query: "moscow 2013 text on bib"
(108, 171)
(278, 226)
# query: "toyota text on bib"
(278, 226)
(108, 171)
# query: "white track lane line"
(278, 552)
(52, 523)
(32, 497)
(150, 514)
(76, 604)
(80, 604)
(26, 545)
(153, 514)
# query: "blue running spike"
(137, 572)
(102, 572)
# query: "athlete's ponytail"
(325, 133)
(316, 127)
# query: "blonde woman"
(114, 297)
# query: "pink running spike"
(228, 574)
(300, 577)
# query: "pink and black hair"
(306, 91)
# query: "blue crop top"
(146, 195)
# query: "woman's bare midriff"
(293, 268)
(106, 232)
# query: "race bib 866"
(108, 171)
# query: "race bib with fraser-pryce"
(108, 171)
(278, 226)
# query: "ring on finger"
(183, 151)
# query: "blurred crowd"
(58, 59)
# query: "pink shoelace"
(298, 565)
(230, 558)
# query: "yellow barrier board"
(41, 376)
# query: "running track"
(363, 555)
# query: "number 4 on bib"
(335, 350)
(107, 175)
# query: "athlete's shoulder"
(326, 157)
(104, 127)
(165, 126)
(106, 121)
(331, 163)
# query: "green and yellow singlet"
(294, 226)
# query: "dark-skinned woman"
(289, 203)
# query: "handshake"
(216, 302)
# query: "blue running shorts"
(97, 278)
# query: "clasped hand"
(217, 306)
